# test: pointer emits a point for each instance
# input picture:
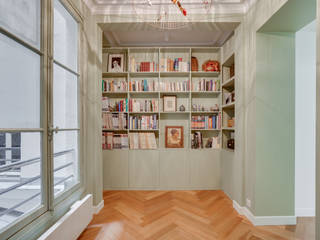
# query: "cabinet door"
(144, 169)
(205, 169)
(115, 169)
(174, 169)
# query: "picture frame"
(169, 103)
(116, 63)
(174, 137)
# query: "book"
(114, 85)
(204, 84)
(114, 105)
(142, 140)
(145, 122)
(114, 121)
(174, 65)
(143, 105)
(182, 86)
(206, 122)
(144, 66)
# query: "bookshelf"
(152, 73)
(228, 104)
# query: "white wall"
(305, 120)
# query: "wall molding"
(97, 208)
(305, 212)
(264, 220)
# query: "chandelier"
(171, 14)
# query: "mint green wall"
(275, 102)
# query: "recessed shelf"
(194, 129)
(229, 83)
(174, 74)
(205, 74)
(185, 112)
(115, 74)
(228, 129)
(114, 130)
(144, 92)
(112, 112)
(204, 112)
(229, 106)
(143, 113)
(144, 74)
(205, 92)
(114, 93)
(143, 130)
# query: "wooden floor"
(187, 215)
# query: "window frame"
(51, 208)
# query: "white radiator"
(71, 225)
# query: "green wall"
(275, 103)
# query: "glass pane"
(65, 37)
(20, 85)
(22, 18)
(20, 185)
(65, 160)
(65, 98)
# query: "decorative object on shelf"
(227, 98)
(194, 64)
(211, 66)
(232, 70)
(116, 63)
(215, 108)
(213, 142)
(182, 108)
(231, 122)
(177, 2)
(230, 143)
(174, 137)
(169, 103)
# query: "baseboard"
(305, 212)
(97, 208)
(264, 220)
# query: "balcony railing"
(9, 167)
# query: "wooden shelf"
(229, 83)
(115, 74)
(143, 113)
(205, 74)
(185, 112)
(143, 130)
(144, 74)
(228, 129)
(193, 129)
(229, 106)
(114, 130)
(209, 112)
(114, 93)
(174, 74)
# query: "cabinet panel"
(174, 169)
(115, 169)
(205, 168)
(144, 169)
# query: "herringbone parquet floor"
(180, 215)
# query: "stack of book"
(206, 122)
(114, 121)
(143, 105)
(174, 65)
(143, 86)
(114, 85)
(206, 85)
(182, 86)
(114, 105)
(143, 66)
(114, 141)
(142, 141)
(196, 140)
(143, 122)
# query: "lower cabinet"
(162, 169)
(144, 169)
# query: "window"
(65, 100)
(25, 152)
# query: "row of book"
(206, 85)
(114, 85)
(112, 121)
(142, 140)
(143, 86)
(114, 105)
(143, 66)
(143, 105)
(143, 122)
(197, 141)
(206, 122)
(182, 86)
(114, 141)
(174, 65)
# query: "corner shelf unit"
(228, 103)
(189, 98)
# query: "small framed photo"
(174, 137)
(116, 63)
(169, 103)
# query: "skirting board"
(97, 209)
(264, 220)
(305, 212)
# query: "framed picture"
(169, 103)
(174, 137)
(116, 63)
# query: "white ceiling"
(140, 34)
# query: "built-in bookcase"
(163, 79)
(228, 103)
